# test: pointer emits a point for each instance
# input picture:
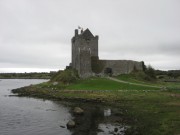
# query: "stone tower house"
(84, 46)
(86, 61)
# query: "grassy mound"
(66, 77)
(137, 77)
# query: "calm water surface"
(29, 116)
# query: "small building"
(86, 61)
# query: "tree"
(150, 71)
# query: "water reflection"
(27, 116)
(107, 112)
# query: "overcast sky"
(35, 35)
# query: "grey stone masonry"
(85, 47)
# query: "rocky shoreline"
(30, 91)
(90, 116)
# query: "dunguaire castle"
(86, 61)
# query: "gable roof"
(87, 34)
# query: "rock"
(62, 126)
(71, 124)
(55, 83)
(78, 110)
(115, 129)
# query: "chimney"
(76, 32)
(82, 31)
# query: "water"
(28, 116)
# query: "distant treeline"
(34, 75)
(170, 73)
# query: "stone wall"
(117, 66)
(85, 63)
(122, 66)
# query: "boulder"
(55, 83)
(71, 124)
(62, 126)
(115, 129)
(78, 110)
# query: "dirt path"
(121, 81)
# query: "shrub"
(150, 71)
(66, 77)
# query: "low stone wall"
(121, 66)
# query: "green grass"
(157, 114)
(97, 83)
(105, 84)
(136, 78)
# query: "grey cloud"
(37, 33)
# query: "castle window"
(90, 50)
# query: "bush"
(150, 72)
(140, 75)
(66, 77)
(147, 75)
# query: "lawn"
(105, 84)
